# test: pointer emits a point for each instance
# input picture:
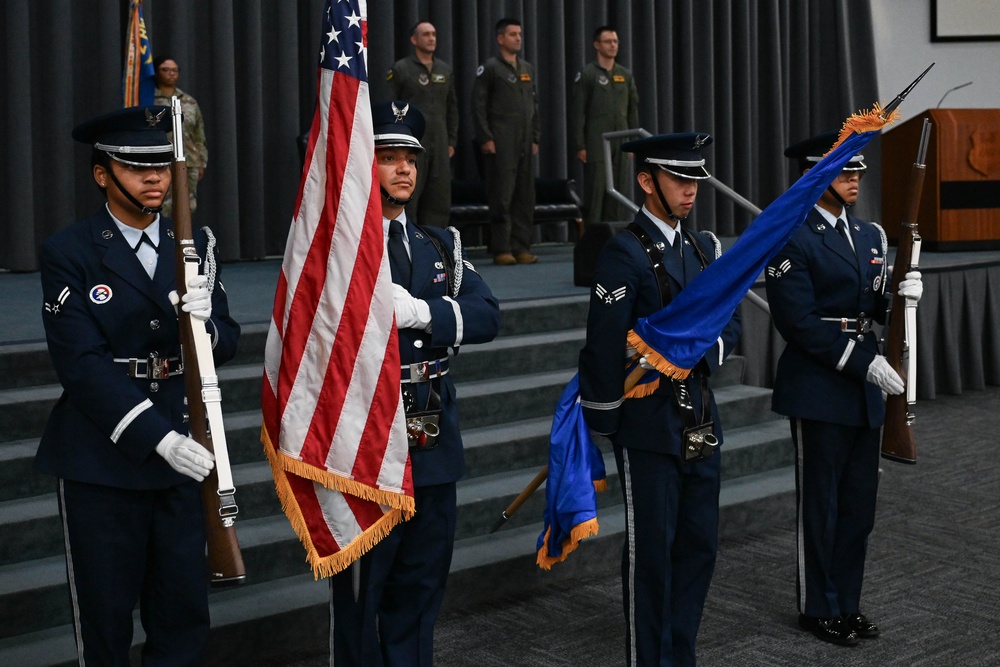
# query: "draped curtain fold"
(756, 74)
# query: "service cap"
(398, 124)
(134, 135)
(678, 154)
(810, 151)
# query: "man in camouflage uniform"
(604, 99)
(505, 111)
(195, 150)
(429, 84)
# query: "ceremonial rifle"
(201, 387)
(898, 441)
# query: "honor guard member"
(604, 99)
(427, 82)
(671, 499)
(116, 440)
(384, 606)
(825, 289)
(507, 127)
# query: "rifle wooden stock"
(225, 561)
(898, 440)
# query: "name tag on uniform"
(618, 78)
(438, 78)
(525, 77)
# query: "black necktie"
(144, 239)
(842, 229)
(399, 261)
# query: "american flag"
(333, 419)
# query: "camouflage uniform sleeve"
(194, 138)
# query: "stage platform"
(959, 316)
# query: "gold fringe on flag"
(865, 121)
(579, 532)
(403, 509)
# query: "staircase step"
(18, 477)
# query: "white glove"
(911, 286)
(197, 299)
(631, 352)
(881, 374)
(411, 312)
(185, 455)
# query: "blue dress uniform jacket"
(101, 306)
(672, 507)
(835, 413)
(817, 275)
(473, 316)
(626, 290)
(133, 526)
(390, 620)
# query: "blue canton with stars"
(343, 49)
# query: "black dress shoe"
(834, 630)
(861, 626)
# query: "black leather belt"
(422, 371)
(154, 367)
(852, 325)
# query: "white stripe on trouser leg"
(799, 531)
(71, 576)
(630, 536)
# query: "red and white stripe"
(333, 418)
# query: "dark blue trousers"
(671, 541)
(836, 482)
(400, 585)
(127, 546)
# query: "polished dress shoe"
(834, 630)
(504, 259)
(526, 258)
(861, 626)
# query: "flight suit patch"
(618, 78)
(439, 78)
(525, 77)
(423, 79)
(603, 80)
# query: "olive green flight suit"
(505, 110)
(432, 91)
(603, 101)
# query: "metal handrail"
(609, 176)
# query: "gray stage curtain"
(756, 74)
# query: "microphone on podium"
(951, 90)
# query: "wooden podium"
(960, 204)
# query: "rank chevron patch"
(609, 297)
(780, 270)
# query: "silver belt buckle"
(152, 368)
(419, 371)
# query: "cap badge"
(699, 141)
(152, 120)
(400, 113)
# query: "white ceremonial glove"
(911, 286)
(411, 312)
(881, 374)
(197, 300)
(631, 352)
(185, 455)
